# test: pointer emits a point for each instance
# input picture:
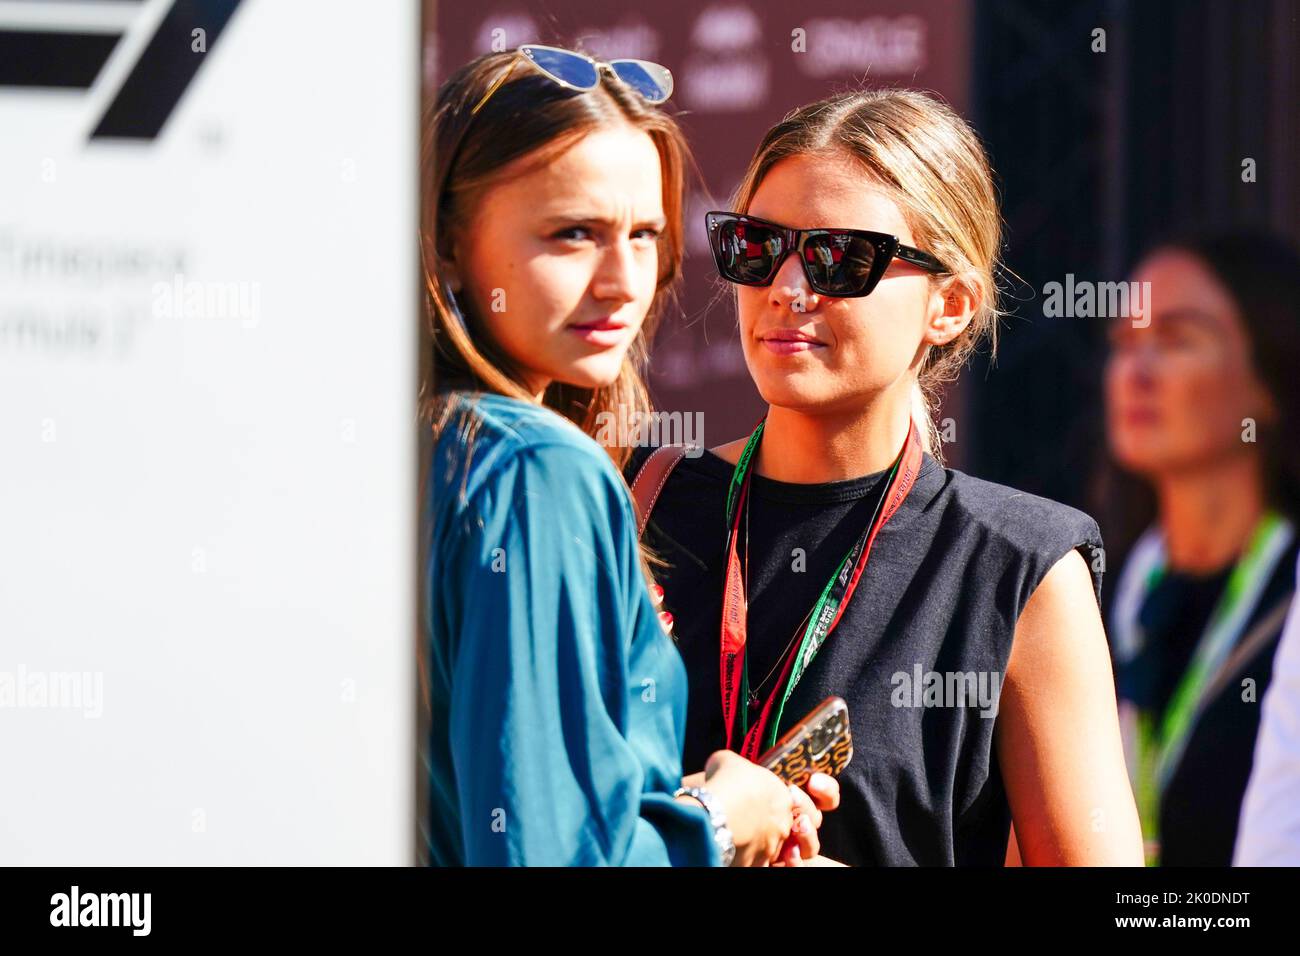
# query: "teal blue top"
(558, 703)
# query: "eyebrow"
(775, 222)
(1186, 315)
(1192, 315)
(583, 219)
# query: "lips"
(604, 332)
(790, 335)
(1139, 415)
(789, 341)
(602, 324)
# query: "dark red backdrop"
(736, 73)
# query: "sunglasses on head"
(842, 263)
(576, 71)
(573, 71)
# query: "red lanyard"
(825, 615)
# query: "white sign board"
(208, 304)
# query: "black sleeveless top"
(918, 654)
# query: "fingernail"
(658, 593)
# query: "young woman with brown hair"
(552, 230)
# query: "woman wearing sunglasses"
(969, 648)
(556, 701)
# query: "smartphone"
(820, 743)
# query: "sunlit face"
(1178, 389)
(561, 263)
(860, 346)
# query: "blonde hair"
(933, 164)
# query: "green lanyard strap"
(1161, 741)
(825, 615)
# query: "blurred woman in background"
(1203, 400)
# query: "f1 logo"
(34, 55)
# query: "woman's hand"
(815, 861)
(693, 780)
(760, 808)
(821, 792)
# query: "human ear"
(1262, 399)
(952, 306)
(451, 274)
(448, 264)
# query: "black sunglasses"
(842, 263)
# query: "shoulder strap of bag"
(650, 481)
(1265, 630)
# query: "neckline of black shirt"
(826, 492)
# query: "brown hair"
(935, 167)
(464, 153)
(520, 113)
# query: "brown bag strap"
(650, 481)
(1248, 646)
